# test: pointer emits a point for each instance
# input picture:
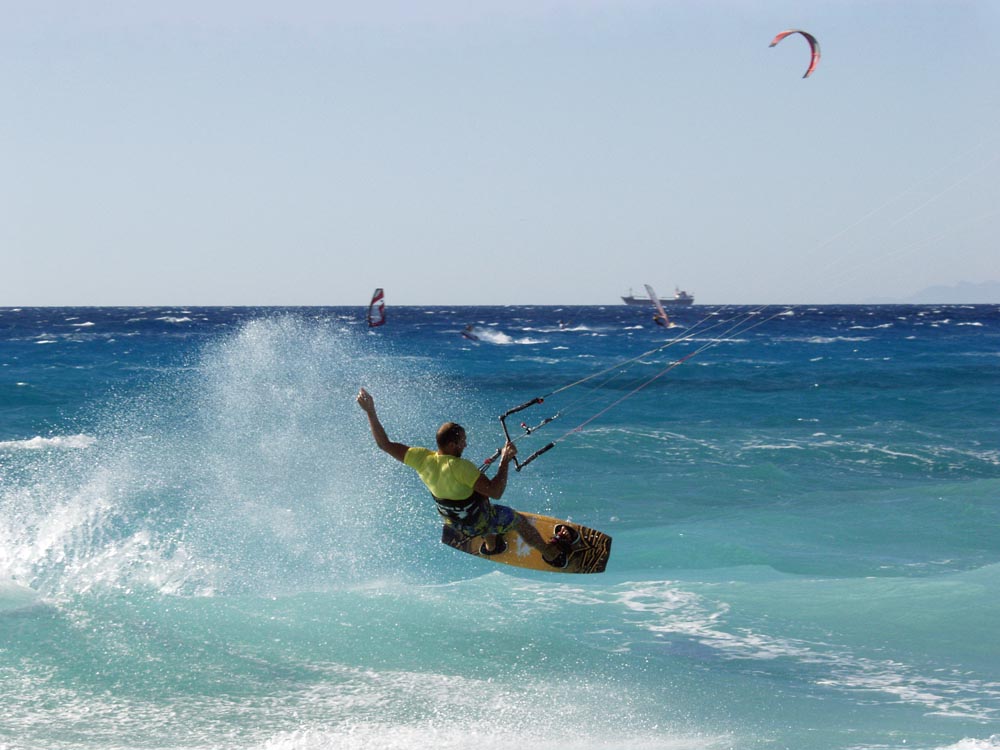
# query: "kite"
(813, 45)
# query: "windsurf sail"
(376, 309)
(661, 315)
(813, 47)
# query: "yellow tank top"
(447, 477)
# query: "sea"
(201, 547)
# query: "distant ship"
(680, 298)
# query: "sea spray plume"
(67, 527)
(288, 467)
(282, 493)
(247, 471)
(277, 466)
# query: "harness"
(463, 512)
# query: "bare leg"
(530, 535)
(490, 543)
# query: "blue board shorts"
(499, 519)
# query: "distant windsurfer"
(461, 492)
(660, 316)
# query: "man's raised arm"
(367, 404)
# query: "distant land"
(963, 293)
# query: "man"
(461, 492)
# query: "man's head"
(451, 439)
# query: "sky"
(487, 152)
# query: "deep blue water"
(201, 547)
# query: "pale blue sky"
(525, 151)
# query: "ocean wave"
(688, 623)
(15, 597)
(503, 339)
(969, 743)
(829, 339)
(537, 360)
(558, 329)
(447, 736)
(666, 609)
(774, 447)
(927, 457)
(285, 703)
(65, 442)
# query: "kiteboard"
(588, 553)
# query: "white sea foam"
(556, 329)
(442, 735)
(836, 339)
(61, 442)
(969, 743)
(666, 609)
(774, 447)
(351, 708)
(503, 339)
(487, 708)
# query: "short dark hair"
(449, 432)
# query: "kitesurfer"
(461, 492)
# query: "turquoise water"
(201, 547)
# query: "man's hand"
(509, 451)
(366, 402)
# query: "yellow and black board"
(589, 554)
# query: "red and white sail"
(376, 309)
